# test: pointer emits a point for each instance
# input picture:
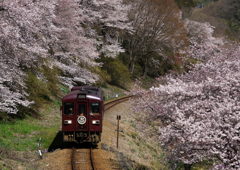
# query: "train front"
(82, 114)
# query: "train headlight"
(67, 122)
(96, 122)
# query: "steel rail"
(73, 165)
(112, 103)
(91, 158)
(89, 161)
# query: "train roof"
(81, 92)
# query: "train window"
(81, 96)
(82, 108)
(68, 108)
(95, 107)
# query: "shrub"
(51, 76)
(104, 77)
(3, 116)
(37, 89)
(119, 73)
(41, 90)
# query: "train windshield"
(68, 108)
(95, 107)
(82, 108)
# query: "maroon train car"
(82, 115)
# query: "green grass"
(24, 134)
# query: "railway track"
(110, 104)
(82, 159)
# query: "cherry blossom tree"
(111, 17)
(159, 31)
(200, 112)
(202, 42)
(61, 32)
(20, 47)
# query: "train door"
(82, 117)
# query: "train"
(82, 113)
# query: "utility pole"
(118, 119)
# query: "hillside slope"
(224, 15)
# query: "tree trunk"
(187, 166)
(145, 68)
(133, 67)
(131, 62)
